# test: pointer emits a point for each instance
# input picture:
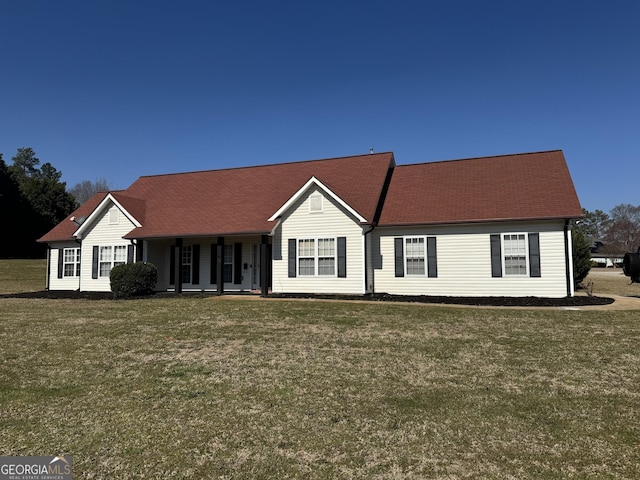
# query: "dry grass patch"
(193, 388)
(610, 281)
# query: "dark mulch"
(382, 297)
(480, 301)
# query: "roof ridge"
(267, 165)
(479, 158)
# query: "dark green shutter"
(342, 257)
(534, 255)
(432, 259)
(496, 256)
(292, 258)
(94, 264)
(61, 262)
(214, 264)
(237, 263)
(195, 264)
(130, 252)
(399, 256)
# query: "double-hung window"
(415, 254)
(228, 264)
(317, 256)
(515, 254)
(186, 263)
(111, 256)
(71, 262)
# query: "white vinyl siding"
(464, 262)
(66, 282)
(103, 233)
(324, 229)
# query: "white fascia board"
(98, 210)
(324, 188)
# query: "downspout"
(79, 242)
(567, 258)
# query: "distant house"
(493, 226)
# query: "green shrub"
(581, 256)
(133, 279)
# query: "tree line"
(33, 200)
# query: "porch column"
(178, 266)
(220, 266)
(265, 266)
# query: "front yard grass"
(243, 388)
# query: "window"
(111, 257)
(306, 256)
(228, 264)
(515, 254)
(326, 256)
(71, 264)
(415, 255)
(186, 264)
(317, 255)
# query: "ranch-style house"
(491, 226)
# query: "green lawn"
(262, 389)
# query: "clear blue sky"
(118, 89)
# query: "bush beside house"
(133, 279)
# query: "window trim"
(187, 250)
(504, 255)
(317, 257)
(406, 239)
(113, 261)
(76, 262)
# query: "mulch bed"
(578, 301)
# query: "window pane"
(69, 269)
(326, 266)
(326, 247)
(186, 273)
(105, 254)
(306, 248)
(415, 266)
(306, 266)
(105, 269)
(186, 255)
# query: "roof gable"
(65, 229)
(99, 210)
(501, 188)
(301, 192)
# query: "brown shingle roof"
(240, 200)
(507, 187)
(65, 229)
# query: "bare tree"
(83, 191)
